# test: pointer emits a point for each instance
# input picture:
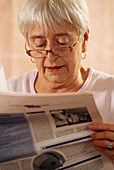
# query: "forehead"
(66, 30)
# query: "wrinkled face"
(53, 68)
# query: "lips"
(55, 68)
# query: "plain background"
(100, 53)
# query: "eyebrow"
(36, 36)
(62, 34)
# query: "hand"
(102, 138)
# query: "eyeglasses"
(40, 53)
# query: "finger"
(102, 143)
(101, 126)
(104, 151)
(103, 135)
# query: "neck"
(75, 83)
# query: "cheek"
(40, 64)
(70, 62)
(73, 62)
(73, 65)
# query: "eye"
(63, 40)
(39, 42)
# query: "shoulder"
(101, 79)
(101, 85)
(22, 83)
(101, 74)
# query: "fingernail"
(90, 126)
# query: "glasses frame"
(28, 52)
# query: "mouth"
(55, 68)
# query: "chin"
(57, 80)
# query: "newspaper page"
(3, 84)
(34, 124)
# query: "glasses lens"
(61, 51)
(37, 53)
(56, 51)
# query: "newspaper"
(34, 124)
(3, 84)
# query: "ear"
(85, 41)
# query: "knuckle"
(104, 143)
(106, 135)
(107, 126)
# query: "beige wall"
(100, 53)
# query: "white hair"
(51, 14)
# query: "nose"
(50, 56)
(50, 45)
(49, 48)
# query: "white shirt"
(100, 84)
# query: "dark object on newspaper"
(48, 161)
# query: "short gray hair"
(51, 14)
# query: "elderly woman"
(56, 33)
